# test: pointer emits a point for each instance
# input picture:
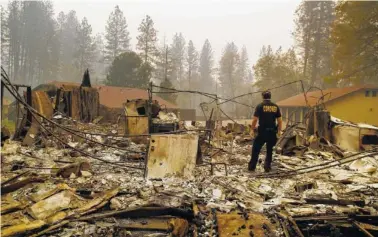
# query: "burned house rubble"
(66, 176)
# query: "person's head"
(266, 95)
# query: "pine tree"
(147, 40)
(355, 58)
(250, 76)
(48, 45)
(206, 68)
(60, 21)
(84, 46)
(242, 85)
(13, 25)
(192, 62)
(117, 35)
(4, 39)
(313, 23)
(99, 64)
(177, 55)
(171, 97)
(242, 68)
(127, 70)
(163, 64)
(68, 25)
(33, 52)
(265, 65)
(278, 68)
(228, 72)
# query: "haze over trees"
(355, 40)
(117, 35)
(313, 21)
(335, 45)
(147, 40)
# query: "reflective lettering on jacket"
(270, 109)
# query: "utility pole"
(166, 64)
(149, 107)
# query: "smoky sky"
(252, 23)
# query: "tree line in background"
(335, 45)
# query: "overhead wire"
(255, 92)
(212, 96)
(129, 135)
(78, 150)
(209, 95)
(215, 97)
(33, 112)
(74, 148)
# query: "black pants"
(268, 137)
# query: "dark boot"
(251, 167)
(257, 145)
(271, 141)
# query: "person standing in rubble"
(266, 113)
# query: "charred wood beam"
(57, 100)
(17, 112)
(29, 102)
(157, 224)
(292, 222)
(371, 219)
(142, 212)
(88, 192)
(367, 218)
(320, 218)
(14, 178)
(283, 224)
(342, 202)
(17, 185)
(365, 232)
(51, 228)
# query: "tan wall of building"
(356, 107)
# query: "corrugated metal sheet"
(351, 137)
(137, 125)
(41, 102)
(82, 102)
(346, 137)
(313, 96)
(172, 155)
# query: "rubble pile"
(165, 117)
(51, 189)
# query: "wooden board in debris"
(172, 155)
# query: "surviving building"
(354, 104)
